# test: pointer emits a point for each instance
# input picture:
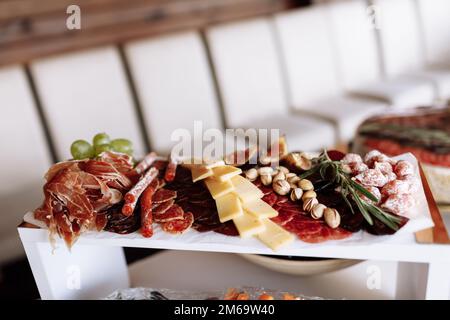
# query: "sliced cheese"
(229, 207)
(194, 162)
(214, 163)
(260, 209)
(223, 173)
(218, 188)
(248, 225)
(200, 172)
(274, 236)
(245, 189)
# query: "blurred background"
(140, 69)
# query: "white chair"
(85, 93)
(174, 85)
(434, 19)
(312, 63)
(401, 53)
(25, 157)
(247, 65)
(435, 24)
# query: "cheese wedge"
(245, 189)
(200, 172)
(223, 173)
(214, 163)
(260, 209)
(274, 236)
(229, 207)
(248, 225)
(190, 163)
(218, 188)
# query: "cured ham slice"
(108, 173)
(75, 199)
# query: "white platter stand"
(94, 267)
(96, 264)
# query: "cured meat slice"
(121, 161)
(372, 177)
(155, 184)
(376, 156)
(175, 212)
(204, 203)
(131, 197)
(163, 195)
(119, 223)
(351, 158)
(266, 190)
(160, 208)
(148, 160)
(375, 192)
(180, 225)
(396, 187)
(160, 164)
(270, 198)
(384, 167)
(171, 170)
(284, 217)
(403, 168)
(314, 231)
(228, 228)
(146, 212)
(398, 203)
(355, 167)
(108, 173)
(100, 222)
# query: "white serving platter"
(355, 246)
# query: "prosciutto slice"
(76, 195)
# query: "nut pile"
(284, 182)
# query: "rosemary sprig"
(332, 172)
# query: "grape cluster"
(82, 149)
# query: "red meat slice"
(175, 212)
(163, 195)
(180, 225)
(160, 208)
(314, 231)
(270, 198)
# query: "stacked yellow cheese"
(239, 200)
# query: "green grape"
(102, 148)
(81, 149)
(122, 145)
(101, 138)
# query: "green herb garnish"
(332, 172)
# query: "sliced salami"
(160, 208)
(403, 168)
(163, 195)
(179, 226)
(175, 212)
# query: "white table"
(96, 267)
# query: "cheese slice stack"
(274, 236)
(239, 200)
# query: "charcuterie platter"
(268, 202)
